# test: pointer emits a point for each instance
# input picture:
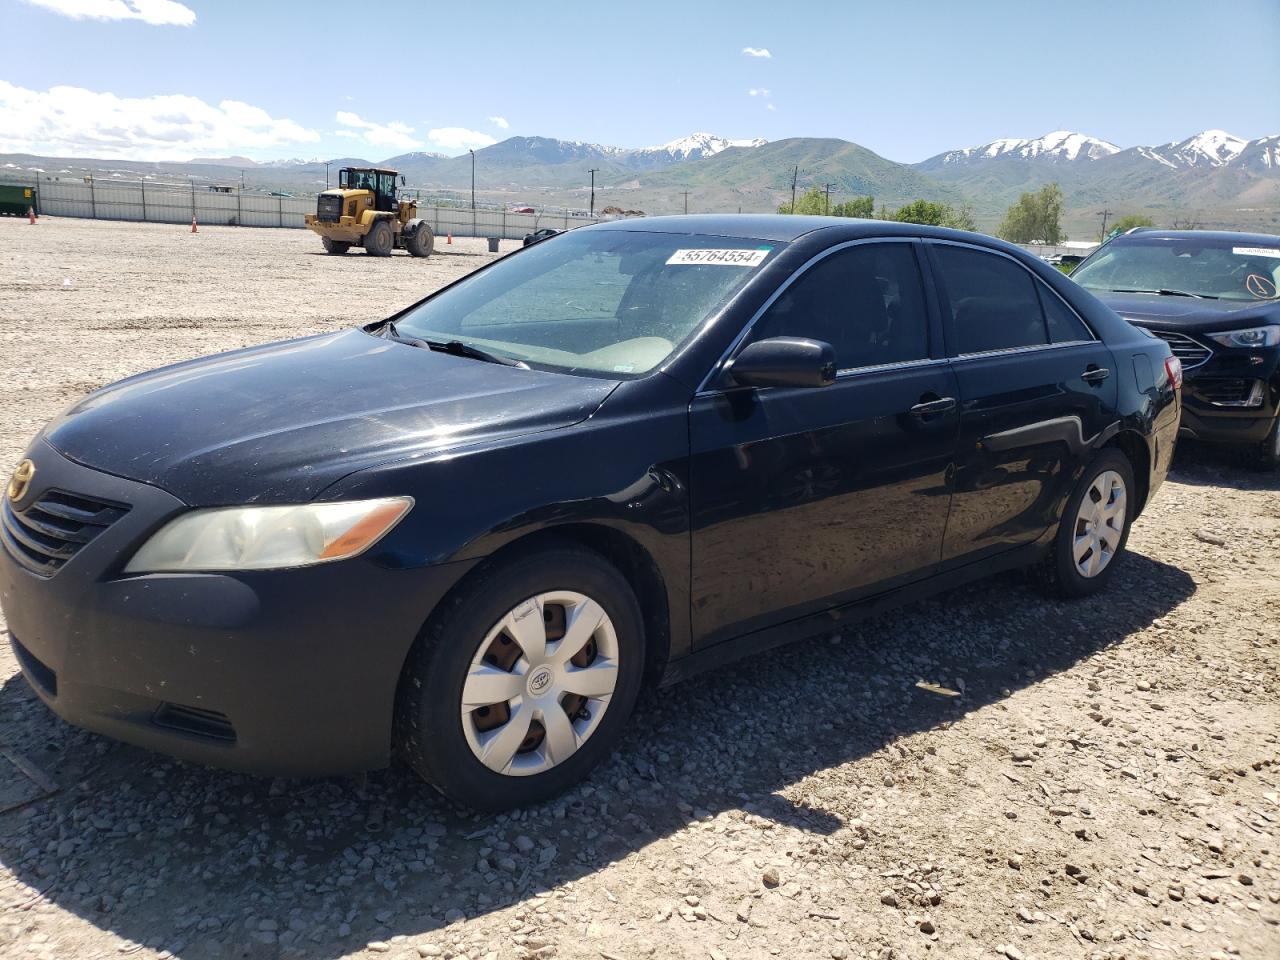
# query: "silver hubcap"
(540, 683)
(1100, 524)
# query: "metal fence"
(178, 203)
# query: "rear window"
(993, 301)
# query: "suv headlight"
(267, 538)
(1267, 336)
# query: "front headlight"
(266, 538)
(1267, 336)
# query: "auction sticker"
(1247, 252)
(721, 258)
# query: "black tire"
(421, 241)
(429, 723)
(379, 240)
(1058, 573)
(1268, 454)
(336, 247)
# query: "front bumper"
(283, 673)
(1231, 395)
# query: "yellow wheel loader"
(364, 212)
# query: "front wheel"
(523, 681)
(335, 247)
(1269, 449)
(1094, 528)
(379, 240)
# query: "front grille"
(1230, 391)
(51, 531)
(328, 208)
(1192, 353)
(196, 721)
(39, 672)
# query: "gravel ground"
(1106, 786)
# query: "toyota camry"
(468, 535)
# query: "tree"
(814, 202)
(1035, 218)
(864, 207)
(1125, 224)
(933, 214)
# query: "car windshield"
(1225, 269)
(597, 302)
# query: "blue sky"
(167, 80)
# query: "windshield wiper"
(1166, 292)
(456, 348)
(460, 349)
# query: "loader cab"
(381, 183)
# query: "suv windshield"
(598, 302)
(1226, 269)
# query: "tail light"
(1173, 367)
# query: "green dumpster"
(15, 201)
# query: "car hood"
(282, 422)
(1188, 314)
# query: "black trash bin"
(493, 244)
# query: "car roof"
(1151, 233)
(786, 228)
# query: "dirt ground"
(1106, 786)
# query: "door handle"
(1095, 374)
(931, 408)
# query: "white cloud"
(757, 52)
(770, 106)
(458, 139)
(499, 122)
(156, 12)
(394, 134)
(758, 92)
(169, 127)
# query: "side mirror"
(785, 362)
(402, 179)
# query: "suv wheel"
(1094, 528)
(523, 681)
(1269, 449)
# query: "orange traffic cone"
(31, 215)
(449, 241)
(193, 225)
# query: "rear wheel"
(378, 241)
(335, 246)
(421, 242)
(1094, 528)
(523, 681)
(1269, 449)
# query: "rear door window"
(993, 301)
(866, 301)
(1064, 325)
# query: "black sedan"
(469, 534)
(1213, 297)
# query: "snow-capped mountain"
(1262, 155)
(1214, 148)
(1058, 146)
(698, 145)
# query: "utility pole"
(826, 201)
(1105, 213)
(326, 174)
(593, 171)
(473, 179)
(686, 201)
(795, 175)
(326, 181)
